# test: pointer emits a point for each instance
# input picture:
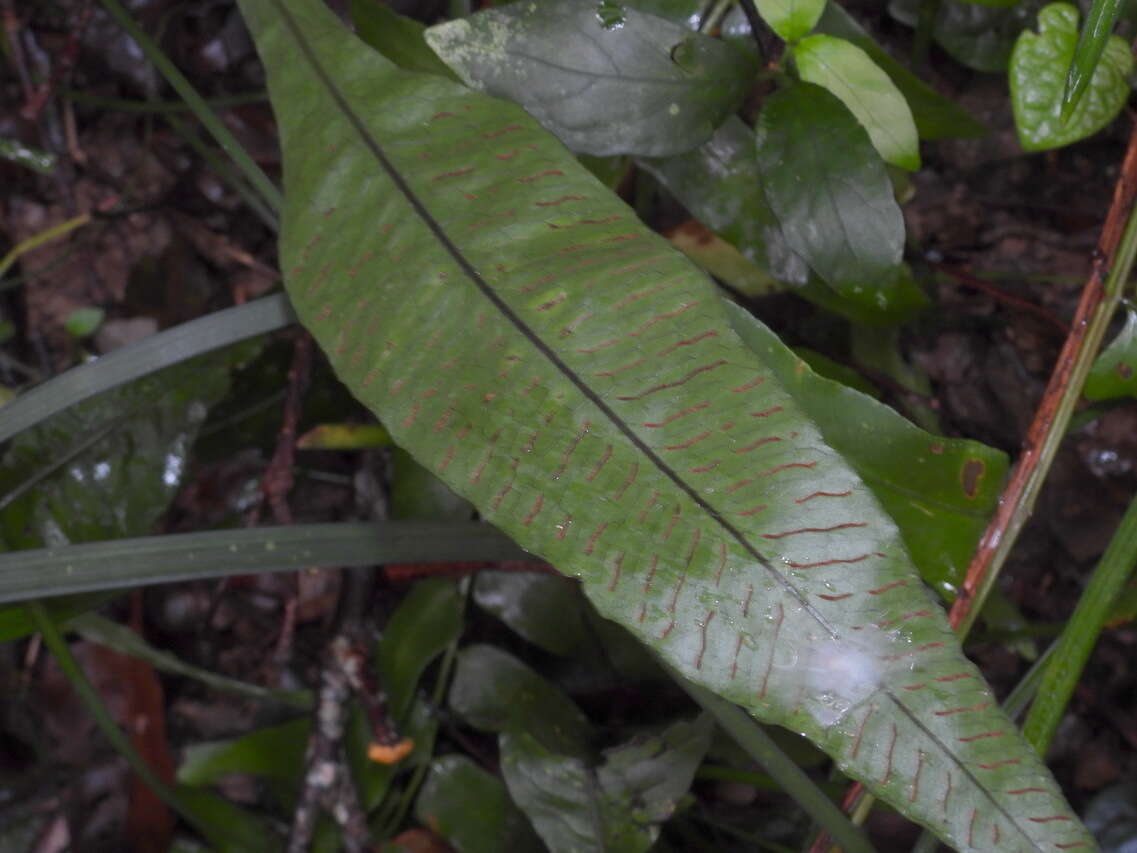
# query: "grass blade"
(43, 572)
(205, 114)
(144, 357)
(1073, 648)
(791, 778)
(1091, 42)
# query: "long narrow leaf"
(43, 572)
(1072, 650)
(1091, 44)
(578, 380)
(143, 358)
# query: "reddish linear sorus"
(664, 386)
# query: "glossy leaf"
(850, 74)
(1092, 43)
(790, 19)
(472, 810)
(936, 117)
(494, 691)
(643, 86)
(720, 183)
(577, 379)
(1114, 372)
(1039, 66)
(617, 807)
(830, 191)
(941, 492)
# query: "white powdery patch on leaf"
(838, 674)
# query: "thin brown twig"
(967, 278)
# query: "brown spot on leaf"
(971, 476)
(1124, 370)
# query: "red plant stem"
(1013, 509)
(968, 279)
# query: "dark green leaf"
(936, 117)
(546, 610)
(790, 19)
(720, 184)
(1092, 43)
(488, 343)
(276, 752)
(472, 810)
(830, 191)
(225, 825)
(495, 692)
(869, 94)
(1114, 372)
(418, 494)
(426, 622)
(941, 492)
(981, 37)
(615, 808)
(397, 37)
(1038, 71)
(645, 86)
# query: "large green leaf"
(979, 36)
(1038, 72)
(578, 380)
(637, 85)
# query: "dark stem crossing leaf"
(574, 377)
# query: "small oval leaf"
(850, 74)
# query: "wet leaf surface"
(640, 85)
(1037, 74)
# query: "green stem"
(1073, 648)
(225, 138)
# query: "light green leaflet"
(790, 19)
(577, 379)
(850, 74)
